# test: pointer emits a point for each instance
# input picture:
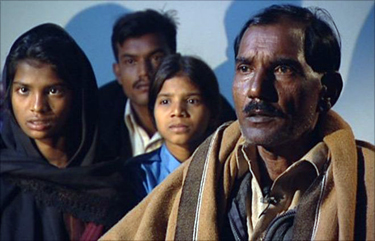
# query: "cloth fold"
(191, 204)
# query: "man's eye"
(156, 59)
(129, 61)
(283, 69)
(243, 68)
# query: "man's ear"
(334, 84)
(117, 72)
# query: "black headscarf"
(34, 193)
(51, 44)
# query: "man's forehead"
(272, 37)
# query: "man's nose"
(261, 86)
(145, 68)
(40, 103)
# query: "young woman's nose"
(39, 103)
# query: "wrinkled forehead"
(285, 37)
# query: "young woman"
(185, 101)
(48, 134)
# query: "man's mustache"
(139, 82)
(254, 107)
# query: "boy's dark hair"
(322, 46)
(144, 22)
(198, 72)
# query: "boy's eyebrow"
(129, 55)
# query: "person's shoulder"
(133, 168)
(365, 145)
(366, 151)
(144, 158)
(111, 101)
(111, 88)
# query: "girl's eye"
(55, 91)
(164, 102)
(193, 101)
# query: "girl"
(49, 133)
(185, 101)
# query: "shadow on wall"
(92, 29)
(236, 16)
(356, 103)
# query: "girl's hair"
(199, 73)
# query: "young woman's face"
(181, 115)
(41, 101)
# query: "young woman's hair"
(50, 44)
(199, 73)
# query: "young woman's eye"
(22, 90)
(55, 91)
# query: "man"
(289, 168)
(140, 41)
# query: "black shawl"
(35, 194)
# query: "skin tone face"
(181, 116)
(275, 91)
(138, 60)
(41, 103)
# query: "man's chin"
(261, 138)
(139, 101)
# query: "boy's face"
(138, 59)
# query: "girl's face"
(41, 101)
(181, 115)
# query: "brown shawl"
(191, 203)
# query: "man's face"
(275, 91)
(138, 59)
